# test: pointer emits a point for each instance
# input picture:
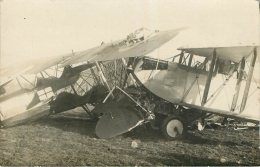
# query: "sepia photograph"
(129, 83)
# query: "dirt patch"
(69, 139)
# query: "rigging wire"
(218, 91)
(227, 96)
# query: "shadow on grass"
(82, 126)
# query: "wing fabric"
(36, 65)
(89, 54)
(120, 49)
(224, 113)
(234, 53)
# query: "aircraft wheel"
(173, 127)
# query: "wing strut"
(130, 75)
(248, 82)
(238, 85)
(207, 85)
(181, 57)
(201, 122)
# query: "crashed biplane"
(128, 89)
(33, 89)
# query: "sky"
(32, 29)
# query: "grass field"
(69, 139)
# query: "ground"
(69, 139)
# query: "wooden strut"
(201, 122)
(248, 82)
(83, 106)
(208, 82)
(215, 72)
(44, 89)
(190, 61)
(103, 78)
(130, 75)
(184, 94)
(42, 75)
(238, 84)
(181, 57)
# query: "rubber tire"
(165, 124)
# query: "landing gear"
(173, 127)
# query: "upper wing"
(111, 51)
(122, 48)
(235, 53)
(32, 66)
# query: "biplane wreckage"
(128, 89)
